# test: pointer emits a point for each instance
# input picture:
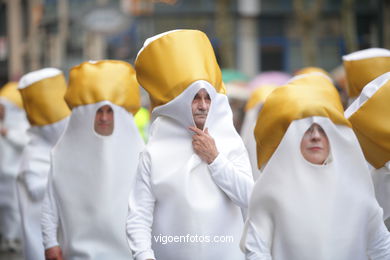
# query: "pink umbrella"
(269, 78)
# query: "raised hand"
(204, 145)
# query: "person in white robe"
(315, 198)
(361, 67)
(194, 177)
(369, 115)
(43, 100)
(252, 109)
(13, 138)
(93, 165)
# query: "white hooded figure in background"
(314, 198)
(43, 100)
(13, 139)
(369, 115)
(252, 109)
(93, 165)
(194, 177)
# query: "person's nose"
(202, 105)
(316, 135)
(104, 116)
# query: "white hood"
(92, 176)
(188, 200)
(304, 211)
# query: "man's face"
(104, 120)
(2, 112)
(200, 107)
(315, 145)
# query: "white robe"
(381, 180)
(90, 180)
(247, 134)
(11, 147)
(32, 183)
(303, 211)
(177, 194)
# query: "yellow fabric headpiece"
(372, 127)
(170, 63)
(363, 66)
(10, 92)
(259, 95)
(308, 70)
(111, 80)
(305, 96)
(44, 101)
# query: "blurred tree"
(348, 18)
(307, 19)
(62, 36)
(224, 31)
(14, 34)
(35, 10)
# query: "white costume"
(252, 108)
(304, 211)
(369, 116)
(91, 175)
(43, 98)
(11, 148)
(176, 193)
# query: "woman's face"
(315, 145)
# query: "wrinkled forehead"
(202, 93)
(105, 107)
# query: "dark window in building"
(271, 58)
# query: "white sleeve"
(18, 138)
(381, 180)
(35, 186)
(233, 177)
(141, 207)
(378, 247)
(255, 247)
(49, 217)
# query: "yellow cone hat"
(307, 70)
(371, 121)
(303, 96)
(259, 95)
(363, 66)
(10, 92)
(43, 96)
(168, 63)
(111, 80)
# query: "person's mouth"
(201, 115)
(315, 148)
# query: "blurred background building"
(249, 36)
